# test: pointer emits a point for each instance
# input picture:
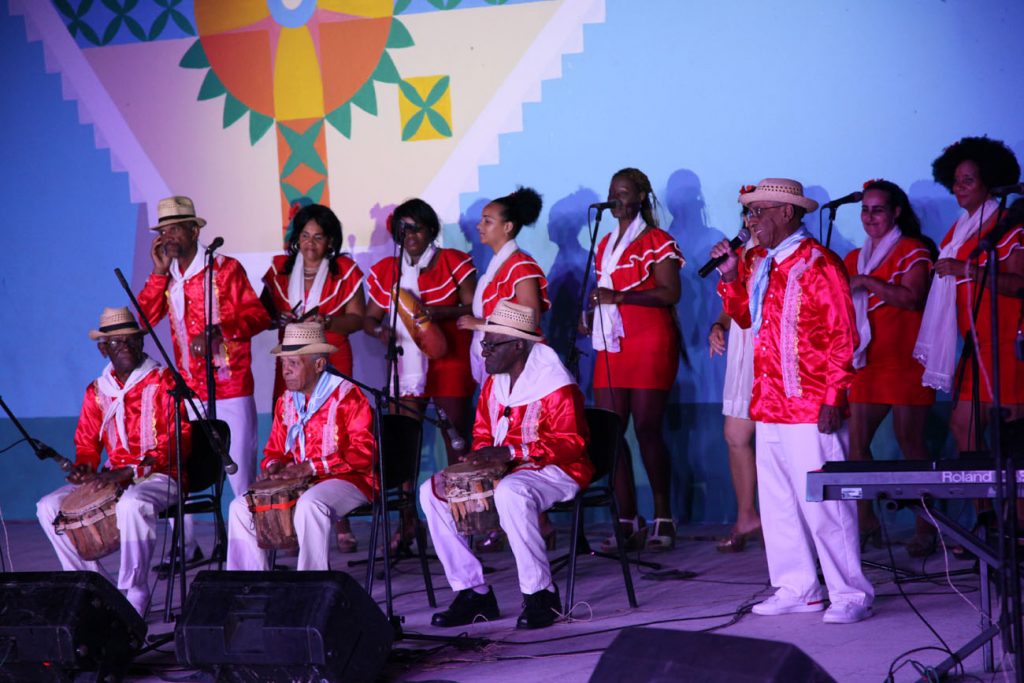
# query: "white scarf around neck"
(497, 261)
(608, 329)
(543, 374)
(297, 288)
(176, 298)
(107, 385)
(871, 256)
(936, 341)
(412, 362)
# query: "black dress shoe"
(540, 609)
(468, 607)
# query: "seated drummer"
(530, 416)
(128, 412)
(323, 430)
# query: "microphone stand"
(181, 394)
(574, 353)
(391, 387)
(42, 451)
(211, 384)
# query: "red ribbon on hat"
(746, 189)
(295, 208)
(872, 182)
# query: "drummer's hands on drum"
(468, 322)
(81, 474)
(489, 455)
(122, 475)
(295, 470)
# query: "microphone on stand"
(601, 206)
(454, 438)
(851, 198)
(735, 243)
(216, 244)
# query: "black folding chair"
(605, 438)
(204, 472)
(401, 440)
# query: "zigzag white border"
(542, 61)
(95, 106)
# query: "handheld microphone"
(851, 198)
(216, 244)
(735, 243)
(601, 206)
(1004, 190)
(454, 438)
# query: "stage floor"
(716, 598)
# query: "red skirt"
(649, 353)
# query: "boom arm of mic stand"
(42, 451)
(574, 351)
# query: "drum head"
(463, 470)
(268, 486)
(88, 497)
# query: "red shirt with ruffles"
(803, 353)
(450, 374)
(1011, 376)
(649, 353)
(551, 431)
(242, 316)
(338, 290)
(516, 268)
(148, 424)
(891, 376)
(339, 438)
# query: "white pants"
(315, 513)
(136, 510)
(795, 529)
(519, 498)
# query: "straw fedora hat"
(781, 190)
(301, 339)
(172, 210)
(512, 320)
(116, 321)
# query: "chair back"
(401, 437)
(605, 437)
(203, 467)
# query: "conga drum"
(470, 493)
(272, 504)
(428, 335)
(88, 517)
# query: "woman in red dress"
(444, 281)
(889, 279)
(637, 340)
(968, 169)
(314, 281)
(512, 274)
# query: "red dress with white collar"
(516, 268)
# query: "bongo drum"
(470, 493)
(272, 504)
(89, 519)
(428, 336)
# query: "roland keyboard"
(905, 480)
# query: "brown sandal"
(737, 541)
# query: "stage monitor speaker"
(63, 626)
(657, 655)
(292, 626)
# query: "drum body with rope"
(88, 517)
(272, 504)
(428, 335)
(470, 493)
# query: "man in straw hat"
(177, 288)
(323, 430)
(530, 418)
(127, 411)
(794, 296)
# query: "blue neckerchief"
(325, 386)
(761, 276)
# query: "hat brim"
(303, 350)
(486, 327)
(163, 224)
(805, 203)
(96, 335)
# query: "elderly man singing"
(529, 417)
(323, 432)
(793, 294)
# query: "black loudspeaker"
(656, 655)
(282, 626)
(64, 626)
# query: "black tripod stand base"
(460, 642)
